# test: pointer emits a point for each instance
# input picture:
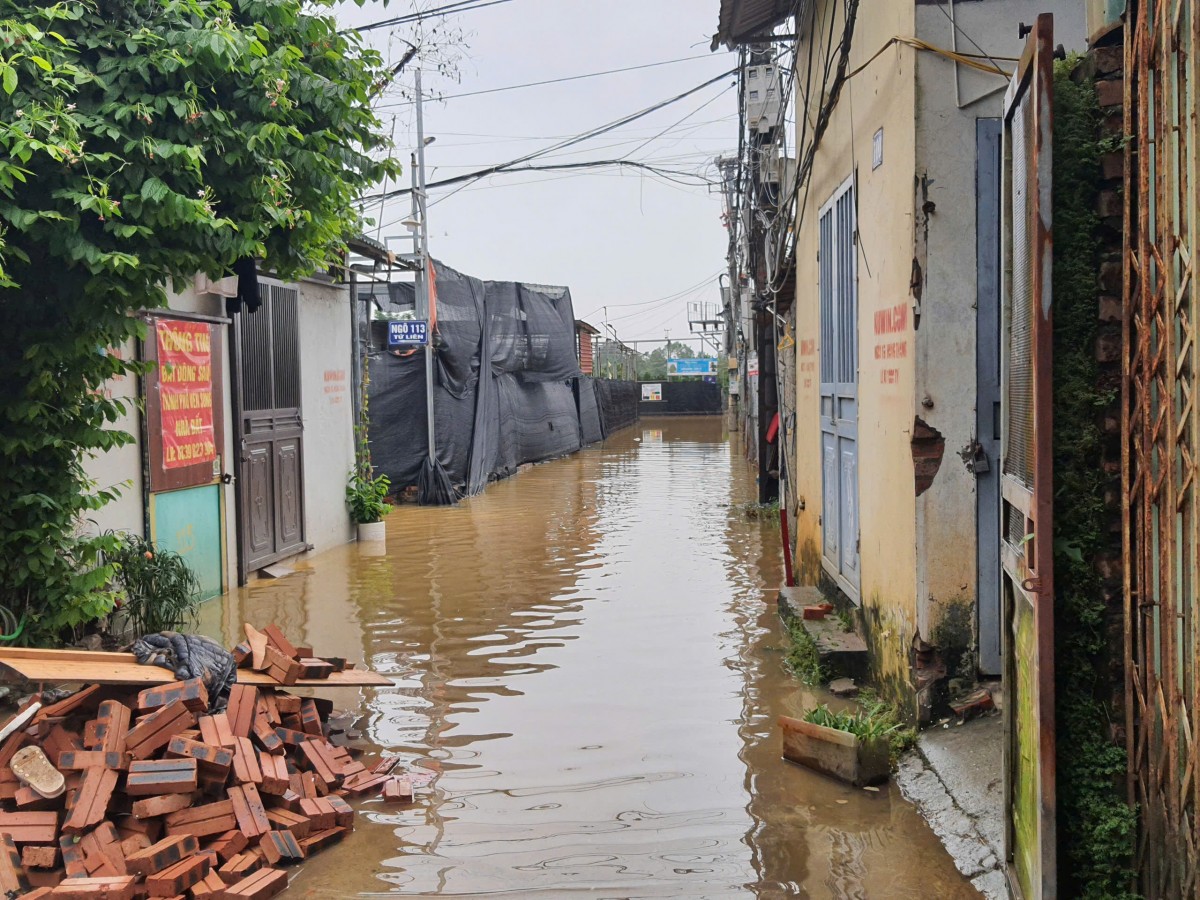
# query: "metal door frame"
(839, 345)
(1027, 497)
(989, 163)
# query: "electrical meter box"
(764, 101)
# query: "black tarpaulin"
(505, 385)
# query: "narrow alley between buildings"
(589, 665)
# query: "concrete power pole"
(423, 277)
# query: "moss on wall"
(1095, 825)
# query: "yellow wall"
(881, 96)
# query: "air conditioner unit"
(222, 287)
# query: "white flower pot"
(372, 531)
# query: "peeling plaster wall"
(944, 205)
(880, 97)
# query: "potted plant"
(853, 747)
(366, 492)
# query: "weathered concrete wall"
(881, 96)
(327, 407)
(949, 100)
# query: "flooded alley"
(589, 665)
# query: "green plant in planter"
(367, 496)
(366, 492)
(159, 591)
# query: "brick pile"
(164, 799)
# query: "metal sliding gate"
(1161, 436)
(1026, 472)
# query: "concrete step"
(842, 652)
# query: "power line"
(562, 145)
(448, 10)
(529, 84)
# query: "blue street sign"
(408, 331)
(697, 366)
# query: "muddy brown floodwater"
(588, 660)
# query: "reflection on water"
(587, 662)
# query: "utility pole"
(424, 275)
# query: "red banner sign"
(185, 393)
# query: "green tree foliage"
(1096, 826)
(654, 364)
(142, 141)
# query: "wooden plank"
(99, 668)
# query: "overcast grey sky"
(616, 238)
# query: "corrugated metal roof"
(743, 20)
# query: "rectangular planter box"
(836, 753)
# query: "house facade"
(894, 476)
(244, 430)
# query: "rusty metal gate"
(1159, 425)
(1026, 486)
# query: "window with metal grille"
(839, 340)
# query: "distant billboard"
(698, 366)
